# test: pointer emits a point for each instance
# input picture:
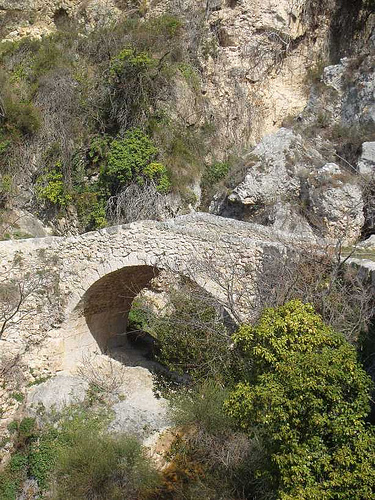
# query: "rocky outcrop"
(336, 202)
(290, 185)
(36, 18)
(252, 55)
(366, 162)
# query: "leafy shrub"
(308, 398)
(7, 189)
(129, 63)
(51, 187)
(98, 152)
(215, 172)
(192, 337)
(91, 210)
(47, 57)
(138, 317)
(22, 116)
(103, 467)
(128, 157)
(18, 396)
(75, 458)
(158, 173)
(26, 428)
(202, 407)
(4, 146)
(166, 25)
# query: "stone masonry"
(89, 281)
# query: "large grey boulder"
(337, 203)
(140, 413)
(366, 163)
(290, 187)
(272, 174)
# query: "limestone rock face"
(354, 83)
(366, 163)
(253, 54)
(290, 186)
(337, 204)
(56, 393)
(272, 176)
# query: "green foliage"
(7, 189)
(131, 157)
(190, 74)
(15, 472)
(202, 407)
(50, 187)
(166, 25)
(26, 428)
(129, 62)
(308, 397)
(215, 172)
(75, 458)
(192, 337)
(18, 396)
(18, 462)
(13, 426)
(4, 146)
(90, 210)
(98, 151)
(21, 117)
(103, 467)
(47, 57)
(42, 458)
(159, 174)
(138, 317)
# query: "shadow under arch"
(106, 304)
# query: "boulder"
(366, 162)
(272, 173)
(336, 203)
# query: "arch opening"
(101, 324)
(107, 303)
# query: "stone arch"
(98, 322)
(107, 302)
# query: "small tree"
(307, 396)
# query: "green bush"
(103, 467)
(48, 56)
(50, 187)
(75, 458)
(91, 210)
(166, 25)
(215, 172)
(192, 338)
(307, 397)
(128, 157)
(4, 146)
(21, 116)
(18, 396)
(138, 316)
(130, 63)
(159, 174)
(7, 189)
(202, 407)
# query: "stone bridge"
(84, 285)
